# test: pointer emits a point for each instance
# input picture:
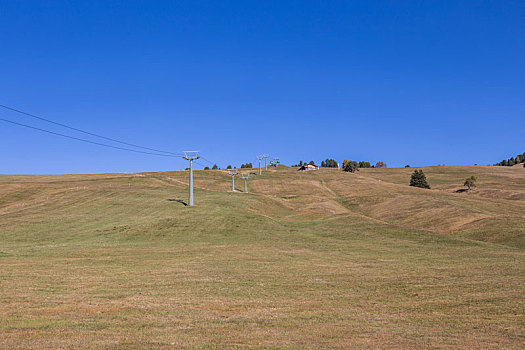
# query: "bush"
(350, 166)
(470, 182)
(419, 179)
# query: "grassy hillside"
(321, 259)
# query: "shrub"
(350, 166)
(470, 182)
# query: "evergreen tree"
(215, 167)
(418, 179)
(323, 164)
(229, 167)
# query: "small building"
(307, 167)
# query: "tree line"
(332, 163)
(520, 158)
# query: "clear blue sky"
(405, 82)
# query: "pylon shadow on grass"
(178, 200)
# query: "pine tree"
(215, 167)
(418, 179)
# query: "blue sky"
(411, 82)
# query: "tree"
(312, 162)
(300, 163)
(520, 158)
(407, 166)
(350, 166)
(322, 164)
(329, 163)
(215, 167)
(470, 182)
(206, 168)
(380, 165)
(418, 179)
(229, 167)
(363, 164)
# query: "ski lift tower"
(232, 173)
(245, 177)
(191, 156)
(260, 158)
(265, 156)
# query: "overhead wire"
(87, 132)
(89, 141)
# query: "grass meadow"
(321, 259)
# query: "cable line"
(203, 158)
(88, 141)
(87, 132)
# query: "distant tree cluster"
(419, 179)
(350, 166)
(229, 167)
(380, 165)
(329, 163)
(246, 165)
(364, 164)
(301, 163)
(520, 158)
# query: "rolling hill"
(321, 259)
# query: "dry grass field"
(323, 259)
